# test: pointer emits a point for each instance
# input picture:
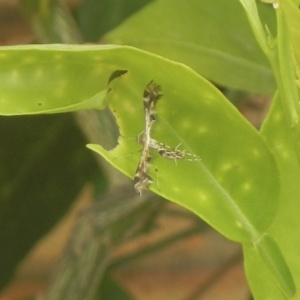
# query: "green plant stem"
(279, 53)
(257, 28)
(280, 56)
(284, 69)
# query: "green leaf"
(230, 149)
(262, 283)
(51, 79)
(234, 187)
(205, 36)
(96, 17)
(285, 228)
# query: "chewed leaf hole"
(116, 74)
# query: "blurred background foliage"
(95, 18)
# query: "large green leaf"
(212, 37)
(286, 225)
(234, 187)
(52, 79)
(230, 149)
(96, 17)
(223, 187)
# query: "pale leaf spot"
(226, 167)
(202, 130)
(247, 186)
(186, 124)
(39, 73)
(239, 224)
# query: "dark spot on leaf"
(116, 74)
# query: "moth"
(142, 179)
(152, 94)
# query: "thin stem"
(257, 28)
(284, 70)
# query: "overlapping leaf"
(51, 79)
(212, 37)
